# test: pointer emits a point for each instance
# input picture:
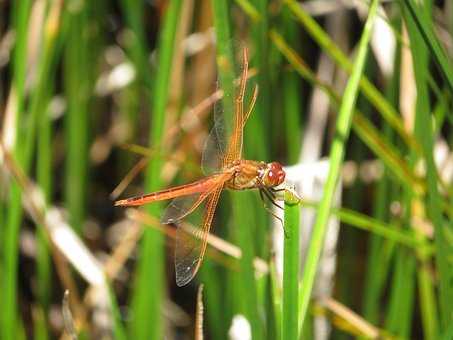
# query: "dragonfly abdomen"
(182, 190)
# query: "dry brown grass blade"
(122, 252)
(57, 229)
(67, 317)
(215, 242)
(65, 245)
(354, 322)
(136, 169)
(199, 313)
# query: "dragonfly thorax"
(248, 174)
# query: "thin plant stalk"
(425, 27)
(361, 125)
(12, 213)
(337, 151)
(432, 204)
(78, 88)
(387, 111)
(291, 256)
(147, 302)
(23, 152)
(380, 251)
(44, 169)
(245, 292)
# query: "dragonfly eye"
(275, 174)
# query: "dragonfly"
(225, 168)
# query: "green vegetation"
(85, 84)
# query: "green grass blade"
(337, 151)
(448, 333)
(147, 302)
(244, 292)
(378, 278)
(226, 74)
(424, 25)
(291, 256)
(44, 174)
(389, 155)
(40, 331)
(380, 251)
(78, 67)
(25, 147)
(400, 311)
(260, 121)
(429, 309)
(224, 56)
(19, 17)
(137, 47)
(72, 99)
(251, 11)
(216, 300)
(361, 125)
(274, 314)
(247, 289)
(138, 53)
(292, 100)
(433, 203)
(387, 111)
(389, 231)
(118, 328)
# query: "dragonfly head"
(273, 174)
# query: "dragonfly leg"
(277, 190)
(272, 197)
(270, 194)
(251, 105)
(263, 191)
(279, 193)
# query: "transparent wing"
(191, 242)
(215, 145)
(224, 143)
(182, 206)
(191, 196)
(234, 150)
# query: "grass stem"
(291, 257)
(337, 152)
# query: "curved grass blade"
(388, 231)
(431, 40)
(23, 152)
(433, 200)
(337, 151)
(361, 125)
(387, 111)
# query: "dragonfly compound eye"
(275, 174)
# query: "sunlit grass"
(291, 265)
(397, 268)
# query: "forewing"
(191, 245)
(224, 143)
(238, 133)
(215, 145)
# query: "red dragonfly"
(225, 168)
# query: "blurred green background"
(101, 100)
